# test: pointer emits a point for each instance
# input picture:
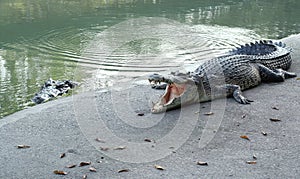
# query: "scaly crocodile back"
(271, 54)
(238, 66)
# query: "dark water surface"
(116, 39)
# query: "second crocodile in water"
(228, 75)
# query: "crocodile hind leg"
(276, 75)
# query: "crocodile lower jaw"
(166, 101)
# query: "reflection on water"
(40, 39)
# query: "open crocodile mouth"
(166, 101)
(173, 91)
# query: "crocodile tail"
(283, 45)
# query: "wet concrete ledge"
(70, 126)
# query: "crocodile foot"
(288, 74)
(237, 95)
(242, 99)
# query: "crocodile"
(53, 88)
(228, 75)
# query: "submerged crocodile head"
(179, 92)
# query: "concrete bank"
(126, 141)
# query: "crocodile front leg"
(236, 92)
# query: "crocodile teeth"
(155, 82)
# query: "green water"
(40, 39)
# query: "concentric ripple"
(148, 45)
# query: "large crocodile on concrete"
(228, 75)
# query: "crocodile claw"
(247, 101)
(243, 100)
(238, 96)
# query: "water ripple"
(148, 45)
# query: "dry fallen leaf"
(158, 167)
(264, 133)
(202, 163)
(62, 155)
(147, 140)
(140, 114)
(244, 137)
(123, 170)
(92, 169)
(71, 166)
(208, 113)
(297, 78)
(275, 119)
(84, 163)
(23, 146)
(99, 140)
(251, 162)
(120, 148)
(59, 172)
(104, 148)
